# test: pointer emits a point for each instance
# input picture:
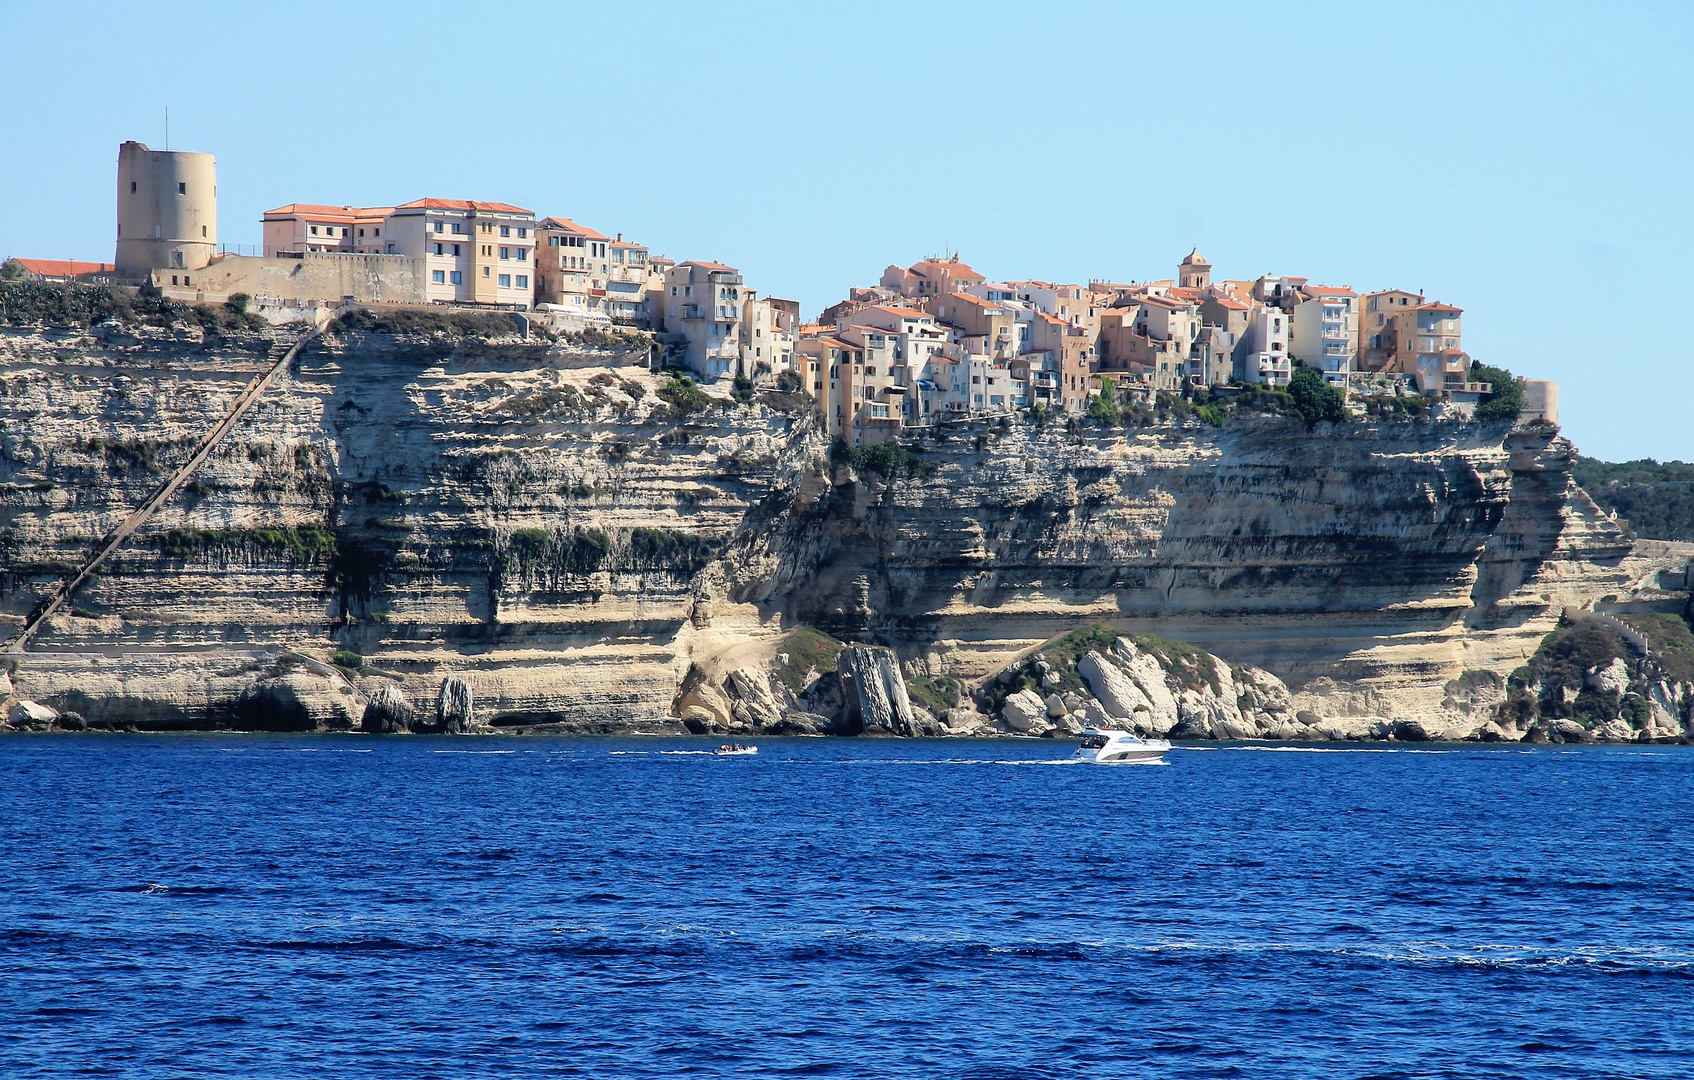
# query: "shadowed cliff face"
(537, 520)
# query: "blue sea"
(356, 906)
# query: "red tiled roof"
(954, 269)
(63, 267)
(567, 225)
(901, 312)
(978, 301)
(1439, 306)
(710, 266)
(1230, 302)
(462, 204)
(319, 212)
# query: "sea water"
(229, 905)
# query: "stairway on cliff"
(283, 350)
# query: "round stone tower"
(167, 209)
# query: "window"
(202, 230)
(185, 280)
(173, 279)
(505, 230)
(523, 281)
(438, 227)
(455, 249)
(485, 271)
(182, 189)
(438, 248)
(456, 278)
(458, 228)
(132, 187)
(376, 232)
(505, 281)
(314, 230)
(522, 232)
(438, 276)
(361, 234)
(523, 254)
(505, 253)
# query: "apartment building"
(572, 267)
(310, 227)
(701, 307)
(768, 329)
(1228, 314)
(1378, 332)
(1430, 349)
(1264, 360)
(930, 278)
(1324, 330)
(474, 252)
(982, 327)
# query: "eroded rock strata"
(445, 534)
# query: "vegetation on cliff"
(1585, 671)
(42, 303)
(1656, 498)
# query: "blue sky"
(1530, 163)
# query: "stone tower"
(167, 209)
(1194, 272)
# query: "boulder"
(1492, 732)
(960, 721)
(1092, 715)
(1023, 710)
(387, 711)
(71, 721)
(1568, 731)
(1411, 731)
(751, 687)
(924, 723)
(32, 715)
(1066, 725)
(799, 722)
(873, 691)
(5, 687)
(454, 706)
(1112, 688)
(1339, 728)
(1055, 706)
(1612, 678)
(1614, 731)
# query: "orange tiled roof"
(1439, 306)
(563, 224)
(320, 212)
(1227, 301)
(63, 267)
(952, 269)
(462, 204)
(1328, 290)
(710, 266)
(901, 312)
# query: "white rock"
(1055, 706)
(1115, 691)
(1023, 710)
(30, 712)
(5, 686)
(1610, 679)
(1149, 676)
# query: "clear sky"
(1531, 163)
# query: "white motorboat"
(1105, 746)
(735, 750)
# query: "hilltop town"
(928, 343)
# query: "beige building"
(1378, 332)
(573, 265)
(930, 278)
(701, 307)
(474, 252)
(982, 327)
(167, 210)
(309, 227)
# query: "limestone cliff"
(582, 546)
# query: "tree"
(1505, 402)
(1104, 407)
(1315, 399)
(12, 270)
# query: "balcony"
(690, 311)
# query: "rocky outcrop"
(874, 693)
(387, 711)
(455, 711)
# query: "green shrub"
(431, 322)
(742, 390)
(683, 397)
(1103, 407)
(806, 649)
(669, 549)
(347, 660)
(1314, 399)
(1656, 499)
(1505, 402)
(937, 693)
(886, 459)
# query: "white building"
(702, 306)
(1324, 331)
